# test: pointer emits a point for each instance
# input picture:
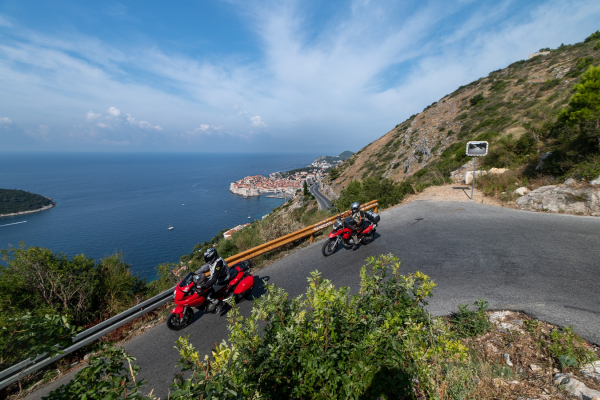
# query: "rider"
(219, 274)
(359, 221)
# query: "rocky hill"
(521, 98)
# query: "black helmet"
(210, 255)
(355, 206)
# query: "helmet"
(354, 207)
(210, 255)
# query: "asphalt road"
(547, 265)
(323, 201)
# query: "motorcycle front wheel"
(329, 247)
(174, 323)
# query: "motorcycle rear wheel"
(368, 239)
(174, 323)
(329, 247)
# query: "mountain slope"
(522, 98)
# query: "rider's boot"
(219, 308)
(355, 239)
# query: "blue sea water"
(108, 203)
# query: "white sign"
(477, 149)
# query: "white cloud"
(115, 112)
(101, 125)
(91, 116)
(257, 122)
(5, 120)
(354, 75)
(142, 124)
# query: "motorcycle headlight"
(337, 224)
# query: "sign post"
(476, 149)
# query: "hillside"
(14, 201)
(519, 102)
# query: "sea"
(108, 203)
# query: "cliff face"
(514, 100)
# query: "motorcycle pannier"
(373, 217)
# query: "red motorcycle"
(188, 293)
(343, 230)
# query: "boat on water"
(249, 216)
(170, 228)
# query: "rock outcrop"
(328, 191)
(570, 198)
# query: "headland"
(283, 184)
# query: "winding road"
(323, 201)
(544, 264)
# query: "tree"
(584, 106)
(34, 278)
(305, 185)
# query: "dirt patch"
(454, 192)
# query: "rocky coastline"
(49, 206)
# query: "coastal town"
(280, 184)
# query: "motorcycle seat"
(223, 281)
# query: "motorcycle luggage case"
(373, 217)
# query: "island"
(284, 184)
(17, 202)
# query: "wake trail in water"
(14, 223)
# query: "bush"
(568, 349)
(475, 100)
(597, 46)
(593, 36)
(106, 376)
(51, 285)
(467, 323)
(378, 343)
(549, 84)
(28, 336)
(384, 190)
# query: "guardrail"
(309, 231)
(29, 366)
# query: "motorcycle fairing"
(246, 283)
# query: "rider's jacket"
(358, 216)
(218, 270)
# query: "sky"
(252, 76)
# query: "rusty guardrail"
(309, 231)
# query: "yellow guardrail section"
(309, 231)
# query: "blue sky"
(249, 76)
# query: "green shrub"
(593, 36)
(568, 349)
(28, 336)
(549, 84)
(45, 283)
(165, 279)
(497, 86)
(468, 323)
(597, 46)
(384, 190)
(477, 99)
(331, 345)
(107, 376)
